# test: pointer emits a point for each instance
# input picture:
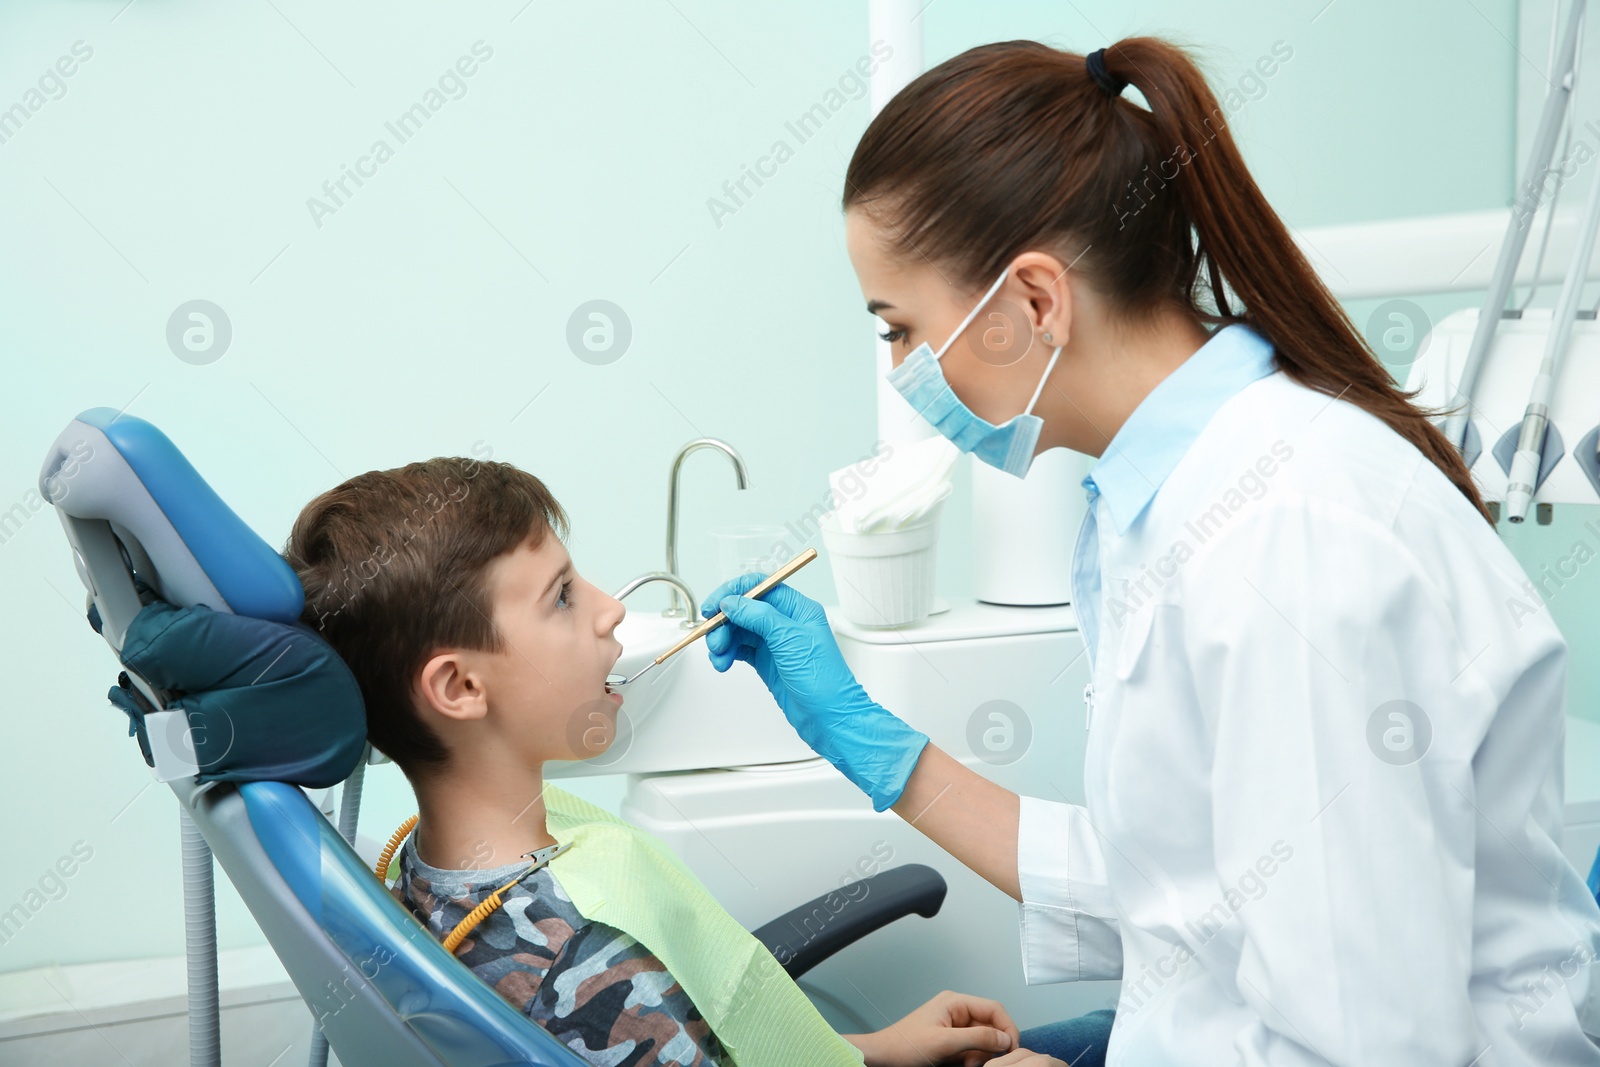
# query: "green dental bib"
(755, 1009)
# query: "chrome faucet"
(678, 584)
(675, 609)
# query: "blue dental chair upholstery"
(145, 527)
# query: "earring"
(1048, 339)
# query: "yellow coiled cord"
(476, 915)
(480, 913)
(382, 869)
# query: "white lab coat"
(1263, 859)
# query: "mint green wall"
(429, 311)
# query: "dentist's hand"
(786, 638)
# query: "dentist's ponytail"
(1015, 145)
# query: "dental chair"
(143, 525)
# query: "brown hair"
(1012, 146)
(393, 564)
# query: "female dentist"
(1324, 766)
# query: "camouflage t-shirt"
(596, 989)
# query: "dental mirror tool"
(617, 681)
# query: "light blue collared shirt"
(1150, 443)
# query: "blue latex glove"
(785, 636)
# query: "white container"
(887, 578)
(1024, 529)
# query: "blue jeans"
(1079, 1042)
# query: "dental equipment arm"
(1523, 478)
(1544, 139)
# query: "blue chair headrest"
(122, 470)
(225, 681)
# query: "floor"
(267, 1026)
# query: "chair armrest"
(811, 933)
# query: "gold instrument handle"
(756, 592)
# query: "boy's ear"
(449, 685)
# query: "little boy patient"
(482, 653)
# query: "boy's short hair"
(393, 564)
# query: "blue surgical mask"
(920, 379)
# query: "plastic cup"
(762, 549)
